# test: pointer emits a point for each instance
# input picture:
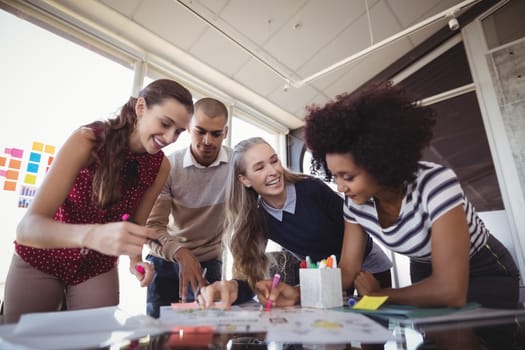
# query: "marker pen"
(198, 291)
(127, 217)
(275, 282)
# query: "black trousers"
(493, 276)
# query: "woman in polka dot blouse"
(68, 242)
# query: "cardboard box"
(321, 288)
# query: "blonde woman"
(265, 201)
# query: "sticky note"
(12, 175)
(49, 149)
(185, 306)
(14, 163)
(9, 186)
(15, 152)
(32, 167)
(370, 303)
(38, 146)
(30, 179)
(35, 157)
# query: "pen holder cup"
(321, 288)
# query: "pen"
(275, 282)
(198, 291)
(127, 217)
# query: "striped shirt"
(435, 191)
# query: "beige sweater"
(189, 211)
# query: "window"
(51, 87)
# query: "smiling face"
(158, 125)
(352, 180)
(263, 172)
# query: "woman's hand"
(224, 291)
(281, 295)
(118, 238)
(366, 284)
(142, 270)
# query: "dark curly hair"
(382, 127)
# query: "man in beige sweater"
(189, 212)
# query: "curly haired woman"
(371, 143)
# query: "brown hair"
(112, 137)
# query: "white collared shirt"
(189, 159)
(289, 204)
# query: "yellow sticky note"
(38, 146)
(49, 149)
(30, 179)
(370, 303)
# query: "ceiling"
(263, 57)
(257, 53)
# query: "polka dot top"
(75, 265)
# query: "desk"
(483, 330)
(493, 332)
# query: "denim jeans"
(164, 288)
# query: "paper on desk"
(80, 321)
(223, 321)
(79, 329)
(314, 326)
(289, 325)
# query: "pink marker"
(140, 269)
(275, 282)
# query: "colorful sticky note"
(185, 306)
(9, 186)
(12, 175)
(32, 167)
(50, 160)
(14, 163)
(30, 179)
(35, 157)
(15, 152)
(3, 161)
(370, 303)
(49, 149)
(38, 146)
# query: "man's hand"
(190, 272)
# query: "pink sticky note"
(185, 306)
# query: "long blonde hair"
(245, 227)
